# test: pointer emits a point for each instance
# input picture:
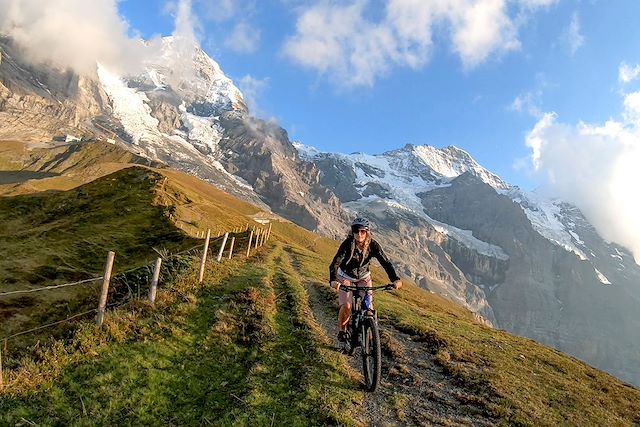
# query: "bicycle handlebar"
(387, 287)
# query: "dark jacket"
(350, 260)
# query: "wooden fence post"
(1, 380)
(269, 232)
(204, 255)
(1, 372)
(106, 278)
(249, 245)
(257, 237)
(224, 242)
(154, 281)
(233, 240)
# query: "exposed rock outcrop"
(547, 293)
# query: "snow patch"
(575, 237)
(204, 130)
(601, 277)
(467, 239)
(306, 152)
(129, 106)
(545, 215)
(451, 162)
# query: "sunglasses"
(362, 231)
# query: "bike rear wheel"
(371, 355)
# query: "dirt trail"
(414, 390)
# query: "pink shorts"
(345, 297)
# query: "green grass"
(517, 380)
(61, 237)
(240, 350)
(50, 238)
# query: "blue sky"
(440, 102)
(544, 93)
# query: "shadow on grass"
(181, 376)
(198, 369)
(15, 177)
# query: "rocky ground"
(414, 390)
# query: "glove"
(335, 285)
(397, 284)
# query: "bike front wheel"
(371, 354)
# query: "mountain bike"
(364, 333)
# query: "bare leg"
(343, 316)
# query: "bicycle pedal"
(345, 348)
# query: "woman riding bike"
(350, 266)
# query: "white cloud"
(219, 10)
(70, 33)
(628, 73)
(572, 35)
(480, 28)
(528, 102)
(243, 38)
(251, 89)
(596, 168)
(341, 41)
(537, 3)
(77, 34)
(335, 39)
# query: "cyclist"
(350, 266)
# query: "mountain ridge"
(258, 332)
(188, 128)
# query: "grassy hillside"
(57, 237)
(253, 344)
(516, 379)
(32, 168)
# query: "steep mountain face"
(186, 114)
(532, 266)
(529, 265)
(37, 102)
(586, 307)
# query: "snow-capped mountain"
(524, 263)
(398, 178)
(184, 111)
(513, 256)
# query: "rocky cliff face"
(189, 117)
(546, 292)
(261, 154)
(37, 102)
(533, 267)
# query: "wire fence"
(48, 288)
(37, 328)
(121, 277)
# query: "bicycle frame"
(364, 331)
(358, 313)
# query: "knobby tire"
(371, 354)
